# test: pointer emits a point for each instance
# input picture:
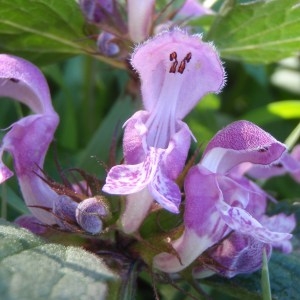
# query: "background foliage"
(259, 44)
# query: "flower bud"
(89, 214)
(65, 210)
(96, 10)
(106, 44)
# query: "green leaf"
(265, 280)
(284, 271)
(11, 198)
(259, 32)
(128, 289)
(42, 31)
(32, 269)
(109, 129)
(288, 109)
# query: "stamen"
(173, 56)
(181, 68)
(188, 57)
(173, 67)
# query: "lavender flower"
(218, 202)
(176, 70)
(29, 138)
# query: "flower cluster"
(224, 212)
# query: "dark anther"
(173, 56)
(188, 57)
(14, 80)
(181, 67)
(173, 67)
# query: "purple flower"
(218, 201)
(176, 71)
(28, 139)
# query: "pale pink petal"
(188, 247)
(240, 142)
(166, 192)
(241, 221)
(140, 18)
(236, 254)
(134, 141)
(203, 224)
(136, 210)
(202, 195)
(166, 86)
(280, 223)
(128, 179)
(177, 151)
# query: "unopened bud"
(95, 11)
(65, 210)
(89, 214)
(106, 44)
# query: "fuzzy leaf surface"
(32, 269)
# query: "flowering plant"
(148, 149)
